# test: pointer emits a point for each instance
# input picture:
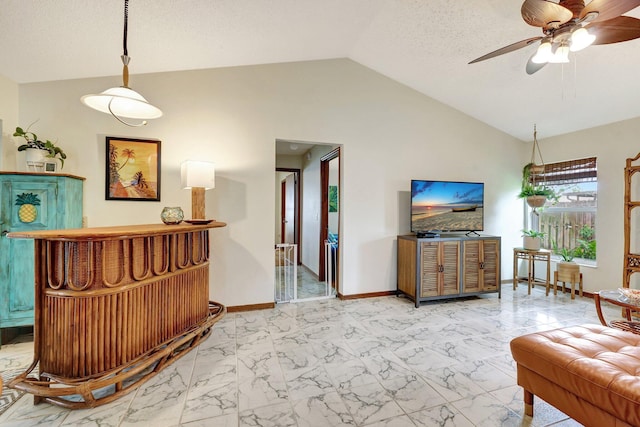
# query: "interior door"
(330, 219)
(288, 209)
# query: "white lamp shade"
(561, 55)
(194, 173)
(124, 102)
(580, 39)
(543, 54)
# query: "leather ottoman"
(589, 372)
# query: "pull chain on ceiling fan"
(569, 25)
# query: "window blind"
(569, 172)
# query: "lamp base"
(198, 221)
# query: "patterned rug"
(9, 396)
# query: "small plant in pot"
(568, 270)
(42, 148)
(532, 239)
(536, 195)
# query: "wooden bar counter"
(114, 306)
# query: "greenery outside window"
(570, 223)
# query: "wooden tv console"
(448, 266)
(114, 306)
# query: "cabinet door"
(480, 265)
(429, 269)
(490, 265)
(449, 260)
(25, 205)
(471, 280)
(439, 269)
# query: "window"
(570, 223)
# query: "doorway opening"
(307, 221)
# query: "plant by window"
(532, 233)
(567, 254)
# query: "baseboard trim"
(367, 295)
(250, 307)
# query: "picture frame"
(132, 169)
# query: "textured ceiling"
(424, 44)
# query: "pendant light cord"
(126, 20)
(125, 68)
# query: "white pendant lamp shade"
(122, 102)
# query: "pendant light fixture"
(123, 102)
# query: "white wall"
(612, 145)
(232, 116)
(9, 117)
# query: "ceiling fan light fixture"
(581, 39)
(561, 55)
(543, 54)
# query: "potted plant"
(36, 149)
(536, 195)
(568, 270)
(531, 239)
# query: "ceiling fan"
(569, 25)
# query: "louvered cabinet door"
(480, 271)
(429, 269)
(471, 272)
(449, 262)
(490, 271)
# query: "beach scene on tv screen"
(446, 206)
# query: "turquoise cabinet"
(30, 201)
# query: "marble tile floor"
(365, 362)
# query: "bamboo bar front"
(114, 306)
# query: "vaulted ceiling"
(424, 44)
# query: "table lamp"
(198, 176)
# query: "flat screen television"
(446, 206)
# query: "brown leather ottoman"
(589, 372)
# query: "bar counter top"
(113, 232)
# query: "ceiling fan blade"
(507, 49)
(545, 14)
(532, 67)
(608, 9)
(615, 30)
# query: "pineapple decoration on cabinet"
(30, 201)
(27, 203)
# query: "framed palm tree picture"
(132, 169)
